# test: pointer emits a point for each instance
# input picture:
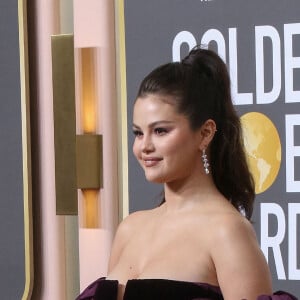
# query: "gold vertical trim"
(26, 148)
(122, 108)
(64, 113)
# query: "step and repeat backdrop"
(260, 43)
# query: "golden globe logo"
(263, 149)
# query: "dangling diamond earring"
(205, 162)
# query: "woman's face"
(164, 145)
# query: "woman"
(199, 243)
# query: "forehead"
(155, 102)
(154, 109)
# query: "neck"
(188, 192)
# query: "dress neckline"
(167, 280)
(165, 284)
(104, 288)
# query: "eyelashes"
(137, 133)
(161, 131)
(157, 131)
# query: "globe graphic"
(263, 149)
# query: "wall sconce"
(78, 158)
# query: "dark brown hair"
(200, 87)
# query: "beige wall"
(67, 257)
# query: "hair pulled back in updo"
(200, 87)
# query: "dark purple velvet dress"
(162, 289)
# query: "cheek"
(184, 152)
(135, 149)
(176, 145)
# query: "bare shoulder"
(234, 226)
(240, 264)
(126, 229)
(131, 224)
(133, 221)
(236, 236)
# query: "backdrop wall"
(260, 42)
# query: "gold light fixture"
(78, 158)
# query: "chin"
(155, 179)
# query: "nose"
(147, 144)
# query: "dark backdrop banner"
(260, 42)
(15, 229)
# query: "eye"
(137, 133)
(160, 131)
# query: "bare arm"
(240, 265)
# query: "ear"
(207, 132)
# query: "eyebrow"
(153, 124)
